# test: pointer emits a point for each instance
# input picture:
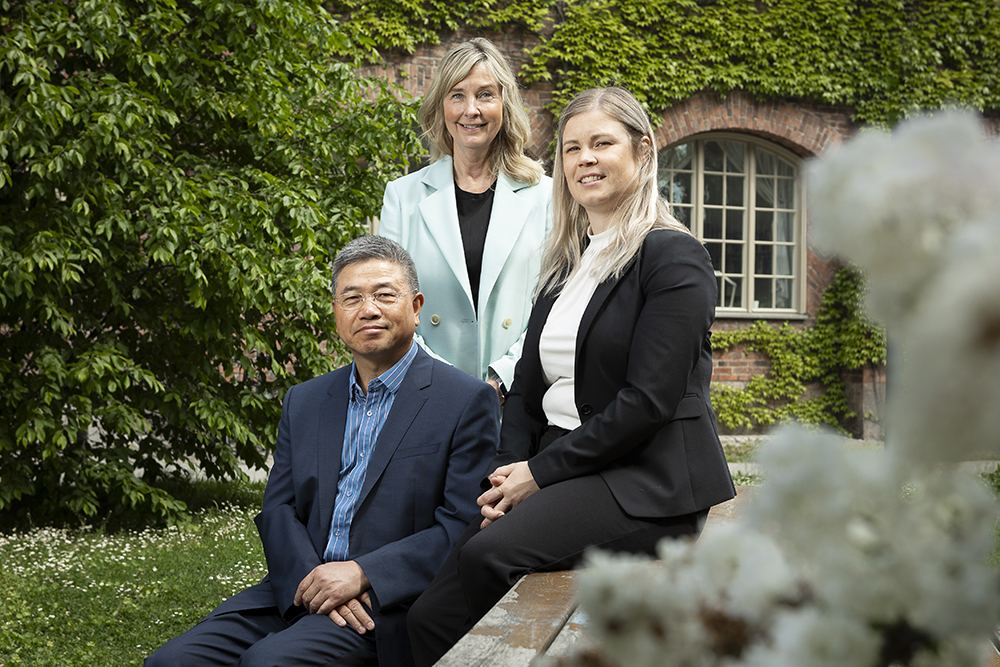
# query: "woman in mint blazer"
(475, 220)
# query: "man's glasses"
(354, 300)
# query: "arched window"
(743, 198)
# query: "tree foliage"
(175, 176)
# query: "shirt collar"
(390, 380)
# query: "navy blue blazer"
(418, 497)
(643, 368)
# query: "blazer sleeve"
(505, 365)
(677, 291)
(288, 549)
(393, 226)
(399, 571)
(390, 224)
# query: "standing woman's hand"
(512, 483)
(496, 386)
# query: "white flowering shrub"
(857, 558)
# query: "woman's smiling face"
(473, 111)
(598, 163)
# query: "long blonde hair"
(642, 208)
(507, 152)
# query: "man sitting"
(375, 477)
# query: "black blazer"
(643, 368)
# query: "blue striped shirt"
(366, 413)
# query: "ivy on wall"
(405, 25)
(884, 58)
(842, 339)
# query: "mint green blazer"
(419, 212)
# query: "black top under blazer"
(643, 368)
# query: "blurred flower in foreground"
(919, 211)
(843, 560)
(947, 402)
(892, 203)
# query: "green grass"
(95, 596)
(89, 596)
(740, 453)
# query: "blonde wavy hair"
(507, 152)
(642, 208)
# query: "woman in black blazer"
(608, 437)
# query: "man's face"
(377, 333)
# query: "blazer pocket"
(417, 450)
(690, 407)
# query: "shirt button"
(435, 319)
(369, 413)
(507, 322)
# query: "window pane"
(708, 184)
(784, 259)
(718, 300)
(715, 252)
(735, 157)
(765, 193)
(734, 190)
(764, 259)
(783, 293)
(680, 156)
(786, 193)
(786, 226)
(682, 189)
(734, 224)
(683, 215)
(762, 293)
(734, 258)
(765, 162)
(713, 223)
(713, 156)
(733, 293)
(713, 189)
(764, 225)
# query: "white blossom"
(949, 368)
(812, 638)
(892, 203)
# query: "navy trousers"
(262, 638)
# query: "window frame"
(799, 275)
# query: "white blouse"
(557, 344)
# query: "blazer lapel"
(332, 421)
(601, 295)
(407, 404)
(509, 215)
(440, 214)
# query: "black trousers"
(550, 530)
